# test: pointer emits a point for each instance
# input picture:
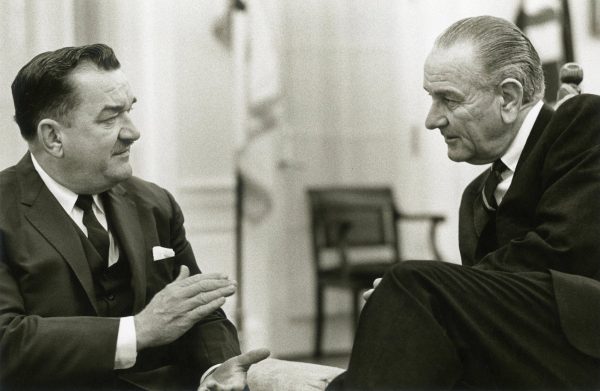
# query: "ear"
(49, 134)
(512, 98)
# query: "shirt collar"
(512, 155)
(65, 197)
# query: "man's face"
(100, 133)
(467, 115)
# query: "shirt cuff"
(208, 372)
(126, 353)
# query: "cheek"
(469, 136)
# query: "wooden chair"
(355, 240)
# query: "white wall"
(354, 112)
(27, 28)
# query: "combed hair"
(503, 51)
(42, 88)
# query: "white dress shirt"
(126, 352)
(513, 153)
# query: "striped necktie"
(492, 181)
(97, 235)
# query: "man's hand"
(182, 303)
(232, 374)
(368, 293)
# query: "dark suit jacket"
(550, 217)
(50, 331)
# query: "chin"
(121, 174)
(455, 157)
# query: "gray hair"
(502, 49)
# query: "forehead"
(454, 67)
(96, 86)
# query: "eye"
(110, 121)
(451, 103)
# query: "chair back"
(353, 223)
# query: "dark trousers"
(435, 325)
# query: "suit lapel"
(480, 216)
(49, 218)
(124, 220)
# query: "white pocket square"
(159, 253)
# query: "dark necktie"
(96, 233)
(492, 181)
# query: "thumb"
(184, 272)
(252, 357)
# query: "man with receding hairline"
(99, 287)
(523, 311)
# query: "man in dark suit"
(523, 311)
(99, 288)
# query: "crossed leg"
(435, 325)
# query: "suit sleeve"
(566, 227)
(49, 350)
(214, 339)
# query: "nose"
(435, 118)
(129, 131)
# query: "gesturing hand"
(368, 293)
(179, 305)
(232, 374)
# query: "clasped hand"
(180, 305)
(232, 374)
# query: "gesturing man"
(99, 288)
(523, 311)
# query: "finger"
(211, 276)
(376, 282)
(210, 385)
(251, 357)
(194, 279)
(218, 287)
(204, 298)
(184, 272)
(204, 310)
(367, 294)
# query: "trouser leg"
(434, 325)
(399, 344)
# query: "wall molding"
(208, 204)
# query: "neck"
(524, 110)
(51, 166)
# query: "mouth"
(123, 152)
(449, 138)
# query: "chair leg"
(319, 321)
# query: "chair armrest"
(434, 221)
(435, 218)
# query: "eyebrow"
(445, 91)
(116, 108)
